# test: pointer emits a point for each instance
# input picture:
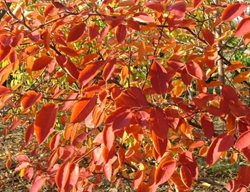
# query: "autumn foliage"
(138, 93)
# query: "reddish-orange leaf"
(76, 32)
(62, 175)
(45, 121)
(82, 109)
(159, 123)
(38, 183)
(4, 90)
(207, 126)
(121, 32)
(68, 51)
(160, 145)
(93, 31)
(157, 6)
(243, 141)
(197, 3)
(186, 176)
(4, 51)
(233, 10)
(89, 72)
(108, 170)
(108, 137)
(29, 98)
(243, 27)
(221, 143)
(73, 177)
(209, 36)
(109, 69)
(29, 133)
(159, 78)
(194, 70)
(41, 62)
(54, 142)
(164, 170)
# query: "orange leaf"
(29, 98)
(41, 63)
(233, 10)
(45, 121)
(243, 76)
(82, 109)
(76, 32)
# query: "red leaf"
(159, 123)
(82, 109)
(89, 72)
(41, 63)
(187, 159)
(164, 170)
(157, 6)
(229, 94)
(243, 27)
(76, 32)
(207, 126)
(243, 141)
(68, 51)
(121, 32)
(62, 175)
(38, 183)
(159, 78)
(233, 10)
(209, 36)
(45, 121)
(194, 70)
(29, 98)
